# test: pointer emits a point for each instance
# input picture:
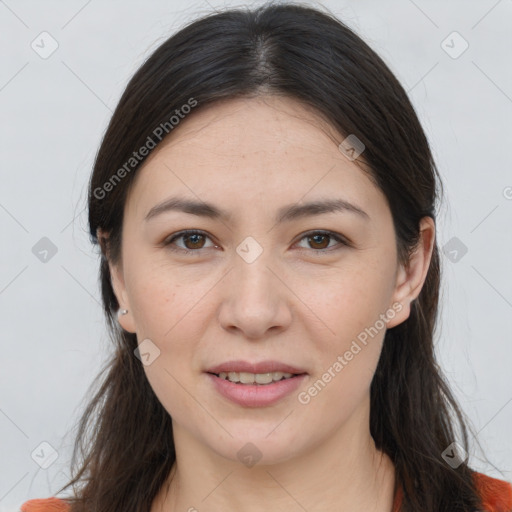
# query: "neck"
(346, 472)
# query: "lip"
(260, 367)
(256, 395)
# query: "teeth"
(251, 378)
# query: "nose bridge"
(252, 277)
(255, 300)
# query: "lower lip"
(256, 395)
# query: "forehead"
(261, 148)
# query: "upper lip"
(261, 367)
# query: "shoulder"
(496, 497)
(45, 505)
(496, 494)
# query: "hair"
(303, 53)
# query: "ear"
(410, 278)
(118, 285)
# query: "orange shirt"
(496, 495)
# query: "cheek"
(347, 300)
(348, 358)
(164, 302)
(348, 339)
(167, 310)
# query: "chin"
(251, 447)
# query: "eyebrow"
(284, 214)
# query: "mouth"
(261, 373)
(259, 379)
(259, 384)
(245, 391)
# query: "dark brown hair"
(299, 52)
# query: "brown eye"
(320, 241)
(195, 240)
(192, 241)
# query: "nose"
(256, 301)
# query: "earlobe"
(400, 297)
(118, 285)
(410, 278)
(126, 321)
(117, 281)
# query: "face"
(263, 278)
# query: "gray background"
(54, 111)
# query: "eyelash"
(167, 243)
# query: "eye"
(319, 240)
(193, 240)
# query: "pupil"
(316, 237)
(193, 236)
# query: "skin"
(302, 301)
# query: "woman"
(265, 199)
